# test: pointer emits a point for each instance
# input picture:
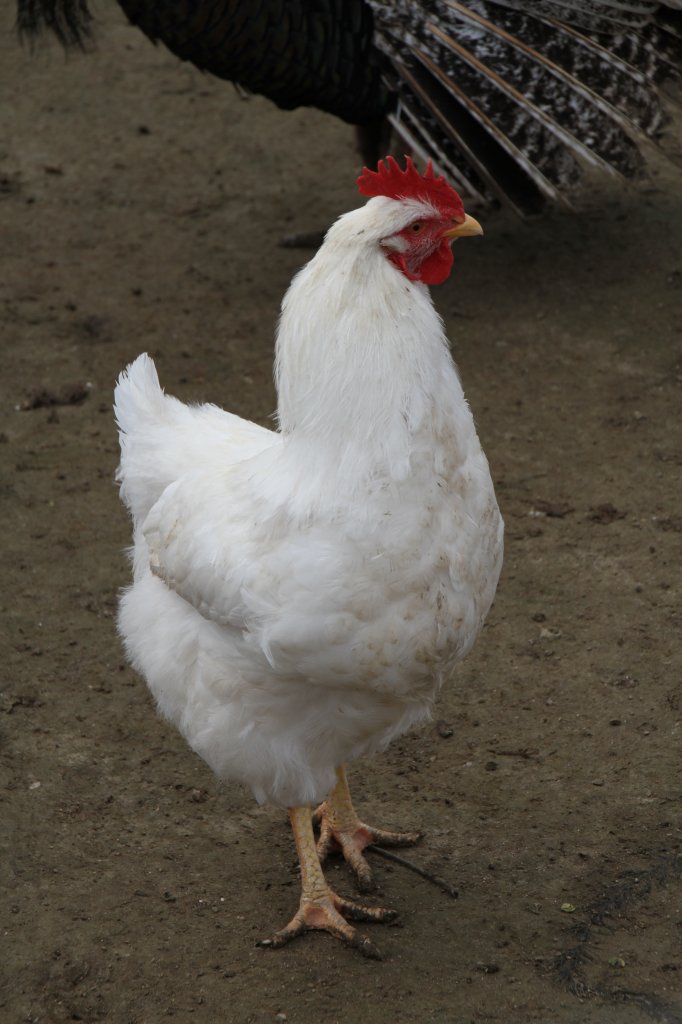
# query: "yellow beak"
(468, 227)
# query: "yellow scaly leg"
(320, 907)
(340, 828)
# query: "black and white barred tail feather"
(514, 102)
(513, 99)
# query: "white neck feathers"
(364, 374)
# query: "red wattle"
(436, 268)
(433, 270)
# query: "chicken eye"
(416, 227)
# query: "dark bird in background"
(518, 100)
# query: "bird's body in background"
(518, 100)
(299, 596)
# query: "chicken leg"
(320, 907)
(341, 828)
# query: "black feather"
(69, 20)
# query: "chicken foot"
(341, 828)
(320, 907)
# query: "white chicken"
(300, 595)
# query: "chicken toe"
(328, 913)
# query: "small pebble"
(488, 968)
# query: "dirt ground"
(140, 207)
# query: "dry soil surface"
(140, 207)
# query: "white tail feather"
(138, 395)
(162, 439)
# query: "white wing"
(209, 538)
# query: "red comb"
(389, 180)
